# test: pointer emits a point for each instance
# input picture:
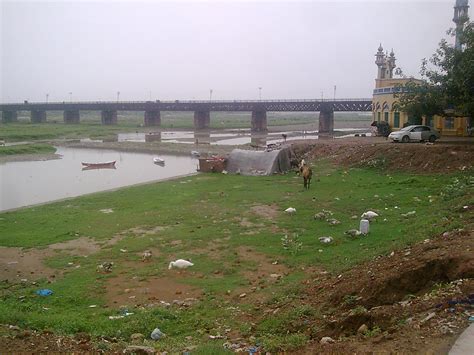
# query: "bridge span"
(201, 109)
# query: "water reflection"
(31, 182)
(232, 137)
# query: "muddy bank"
(28, 157)
(153, 148)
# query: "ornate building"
(386, 86)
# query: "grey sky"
(180, 50)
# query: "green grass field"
(205, 213)
(27, 149)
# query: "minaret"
(391, 64)
(460, 18)
(380, 61)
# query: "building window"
(386, 117)
(449, 122)
(396, 120)
(378, 116)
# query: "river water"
(32, 182)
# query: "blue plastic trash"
(44, 292)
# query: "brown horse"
(307, 173)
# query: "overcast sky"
(181, 50)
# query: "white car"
(415, 133)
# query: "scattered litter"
(93, 306)
(146, 256)
(107, 210)
(105, 266)
(428, 317)
(224, 172)
(363, 329)
(327, 340)
(123, 250)
(290, 210)
(116, 317)
(242, 295)
(195, 153)
(157, 334)
(471, 319)
(44, 292)
(218, 336)
(325, 240)
(364, 226)
(320, 250)
(353, 232)
(408, 214)
(12, 262)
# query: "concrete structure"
(38, 116)
(202, 110)
(461, 16)
(384, 102)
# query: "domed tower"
(391, 64)
(381, 63)
(460, 18)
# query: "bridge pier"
(202, 119)
(38, 116)
(152, 118)
(71, 116)
(9, 116)
(326, 120)
(109, 117)
(259, 121)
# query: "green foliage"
(292, 243)
(458, 186)
(447, 83)
(27, 149)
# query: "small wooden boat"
(158, 161)
(107, 165)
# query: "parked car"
(415, 133)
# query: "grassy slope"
(199, 210)
(27, 149)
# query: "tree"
(448, 81)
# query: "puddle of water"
(32, 182)
(240, 137)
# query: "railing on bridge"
(352, 104)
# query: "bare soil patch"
(269, 212)
(17, 264)
(376, 152)
(414, 300)
(133, 291)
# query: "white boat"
(159, 161)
